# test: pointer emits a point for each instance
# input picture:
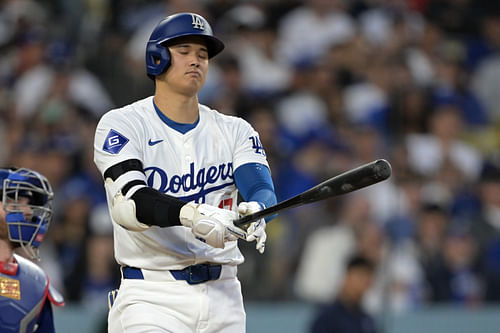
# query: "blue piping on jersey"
(195, 197)
(179, 127)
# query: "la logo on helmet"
(197, 22)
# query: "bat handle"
(244, 221)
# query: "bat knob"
(383, 169)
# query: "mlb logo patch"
(114, 142)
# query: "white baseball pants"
(174, 306)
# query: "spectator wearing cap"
(451, 86)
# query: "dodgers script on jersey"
(196, 166)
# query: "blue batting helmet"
(170, 28)
(27, 221)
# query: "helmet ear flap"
(157, 59)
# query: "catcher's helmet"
(27, 221)
(170, 28)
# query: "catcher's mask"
(27, 202)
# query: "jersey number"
(226, 204)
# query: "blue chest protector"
(25, 299)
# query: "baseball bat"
(351, 180)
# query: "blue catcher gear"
(27, 201)
(171, 28)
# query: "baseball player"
(173, 169)
(25, 214)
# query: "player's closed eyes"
(202, 56)
(186, 49)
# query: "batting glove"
(211, 224)
(257, 229)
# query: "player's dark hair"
(360, 261)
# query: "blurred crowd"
(329, 85)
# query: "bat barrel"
(351, 180)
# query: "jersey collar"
(179, 127)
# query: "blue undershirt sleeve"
(254, 182)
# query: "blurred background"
(329, 85)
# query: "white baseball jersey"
(196, 166)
